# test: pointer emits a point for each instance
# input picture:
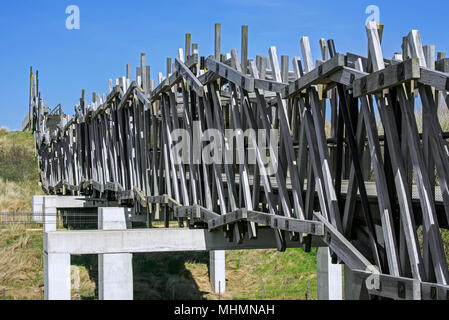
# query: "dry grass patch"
(21, 270)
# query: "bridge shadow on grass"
(164, 276)
(157, 276)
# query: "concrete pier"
(56, 275)
(217, 270)
(329, 277)
(38, 202)
(56, 265)
(51, 204)
(49, 213)
(115, 270)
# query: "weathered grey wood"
(269, 85)
(306, 54)
(374, 47)
(407, 218)
(397, 288)
(230, 74)
(286, 137)
(191, 79)
(217, 41)
(387, 78)
(438, 80)
(367, 111)
(429, 216)
(342, 247)
(187, 46)
(143, 71)
(315, 76)
(244, 49)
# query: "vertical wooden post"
(30, 98)
(148, 77)
(143, 71)
(37, 82)
(194, 48)
(187, 46)
(168, 67)
(284, 69)
(244, 49)
(217, 41)
(128, 71)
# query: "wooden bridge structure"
(351, 167)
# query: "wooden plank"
(269, 85)
(217, 41)
(393, 287)
(393, 75)
(438, 80)
(188, 75)
(342, 247)
(230, 74)
(306, 54)
(244, 49)
(315, 76)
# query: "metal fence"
(23, 218)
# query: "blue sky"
(113, 33)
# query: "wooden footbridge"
(342, 160)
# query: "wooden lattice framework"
(364, 194)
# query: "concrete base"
(49, 213)
(115, 270)
(217, 270)
(56, 276)
(329, 277)
(56, 265)
(38, 202)
(115, 276)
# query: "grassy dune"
(19, 179)
(21, 263)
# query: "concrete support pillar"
(329, 277)
(115, 270)
(49, 212)
(354, 288)
(217, 270)
(38, 202)
(56, 276)
(56, 265)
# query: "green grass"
(19, 179)
(17, 161)
(21, 271)
(285, 275)
(21, 265)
